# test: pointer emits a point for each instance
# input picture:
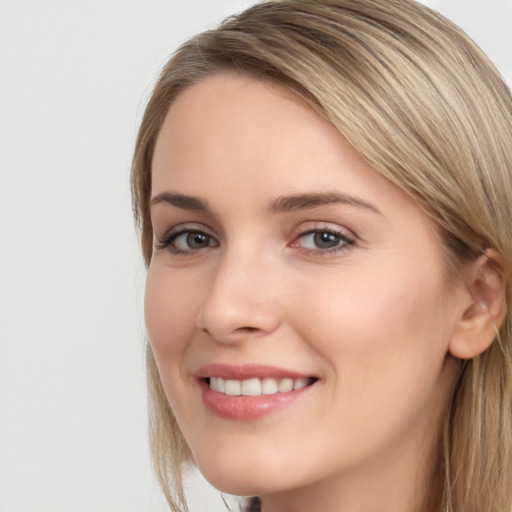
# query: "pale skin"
(349, 288)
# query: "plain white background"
(74, 78)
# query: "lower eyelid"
(343, 245)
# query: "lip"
(246, 371)
(247, 408)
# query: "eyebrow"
(180, 201)
(312, 200)
(281, 204)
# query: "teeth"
(300, 383)
(269, 387)
(285, 385)
(256, 387)
(251, 387)
(233, 387)
(217, 383)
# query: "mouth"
(251, 392)
(257, 386)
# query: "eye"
(323, 240)
(185, 241)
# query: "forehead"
(233, 138)
(225, 112)
(241, 125)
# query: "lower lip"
(247, 407)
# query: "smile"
(250, 392)
(257, 387)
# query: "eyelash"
(345, 240)
(169, 239)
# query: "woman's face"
(281, 260)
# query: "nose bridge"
(240, 299)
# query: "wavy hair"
(426, 109)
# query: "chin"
(246, 479)
(235, 487)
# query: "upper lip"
(246, 371)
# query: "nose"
(241, 300)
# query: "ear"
(484, 309)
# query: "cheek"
(374, 325)
(170, 309)
(385, 344)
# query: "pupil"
(197, 240)
(326, 240)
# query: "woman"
(323, 190)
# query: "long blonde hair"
(427, 110)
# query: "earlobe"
(484, 311)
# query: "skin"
(372, 319)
